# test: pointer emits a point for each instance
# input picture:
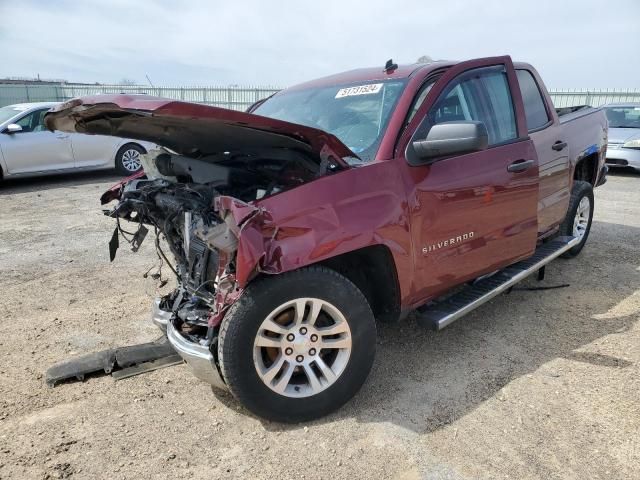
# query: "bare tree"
(424, 59)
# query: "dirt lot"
(536, 384)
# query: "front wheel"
(577, 223)
(297, 346)
(128, 159)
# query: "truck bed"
(567, 114)
(584, 129)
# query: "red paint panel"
(471, 194)
(406, 209)
(333, 215)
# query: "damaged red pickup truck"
(365, 195)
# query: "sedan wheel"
(128, 159)
(131, 160)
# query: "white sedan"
(27, 148)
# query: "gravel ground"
(535, 384)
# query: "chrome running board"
(439, 314)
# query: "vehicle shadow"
(423, 380)
(27, 185)
(623, 172)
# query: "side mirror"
(13, 128)
(450, 138)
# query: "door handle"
(559, 145)
(519, 166)
(62, 135)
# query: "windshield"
(8, 112)
(623, 117)
(356, 113)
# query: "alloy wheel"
(131, 160)
(302, 347)
(581, 220)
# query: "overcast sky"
(573, 43)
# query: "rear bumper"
(198, 357)
(602, 178)
(623, 157)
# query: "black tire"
(579, 191)
(241, 324)
(120, 163)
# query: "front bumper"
(623, 157)
(159, 317)
(198, 357)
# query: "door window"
(33, 122)
(534, 108)
(480, 94)
(419, 100)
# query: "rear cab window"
(534, 106)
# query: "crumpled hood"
(621, 135)
(191, 129)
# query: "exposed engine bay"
(182, 206)
(201, 193)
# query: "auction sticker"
(359, 90)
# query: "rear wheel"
(297, 346)
(577, 223)
(128, 159)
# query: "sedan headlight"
(632, 144)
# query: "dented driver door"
(471, 213)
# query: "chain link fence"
(240, 98)
(595, 98)
(235, 98)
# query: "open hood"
(192, 130)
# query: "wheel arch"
(349, 218)
(126, 143)
(586, 168)
(122, 146)
(373, 270)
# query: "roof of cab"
(371, 74)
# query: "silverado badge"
(447, 243)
